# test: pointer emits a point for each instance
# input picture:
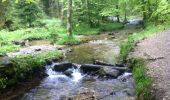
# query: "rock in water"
(68, 72)
(84, 94)
(89, 68)
(109, 71)
(22, 43)
(63, 67)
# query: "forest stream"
(77, 80)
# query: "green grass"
(69, 40)
(142, 80)
(52, 31)
(86, 30)
(128, 45)
(24, 67)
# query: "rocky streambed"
(70, 81)
(87, 72)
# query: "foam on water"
(76, 75)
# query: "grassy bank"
(142, 80)
(24, 67)
(52, 31)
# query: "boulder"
(62, 67)
(22, 43)
(89, 68)
(4, 61)
(68, 72)
(109, 71)
(122, 69)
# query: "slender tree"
(69, 19)
(62, 12)
(117, 11)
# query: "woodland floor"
(156, 51)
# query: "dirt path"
(156, 50)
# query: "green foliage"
(24, 67)
(111, 26)
(69, 40)
(28, 12)
(125, 48)
(142, 80)
(84, 29)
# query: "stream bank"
(117, 85)
(104, 48)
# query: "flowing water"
(58, 86)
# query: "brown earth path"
(156, 51)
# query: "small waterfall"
(77, 75)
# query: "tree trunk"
(117, 13)
(58, 8)
(62, 12)
(88, 14)
(144, 9)
(125, 12)
(125, 18)
(69, 17)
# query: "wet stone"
(109, 71)
(89, 68)
(68, 72)
(63, 67)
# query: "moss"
(24, 67)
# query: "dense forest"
(29, 13)
(82, 49)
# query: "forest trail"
(156, 51)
